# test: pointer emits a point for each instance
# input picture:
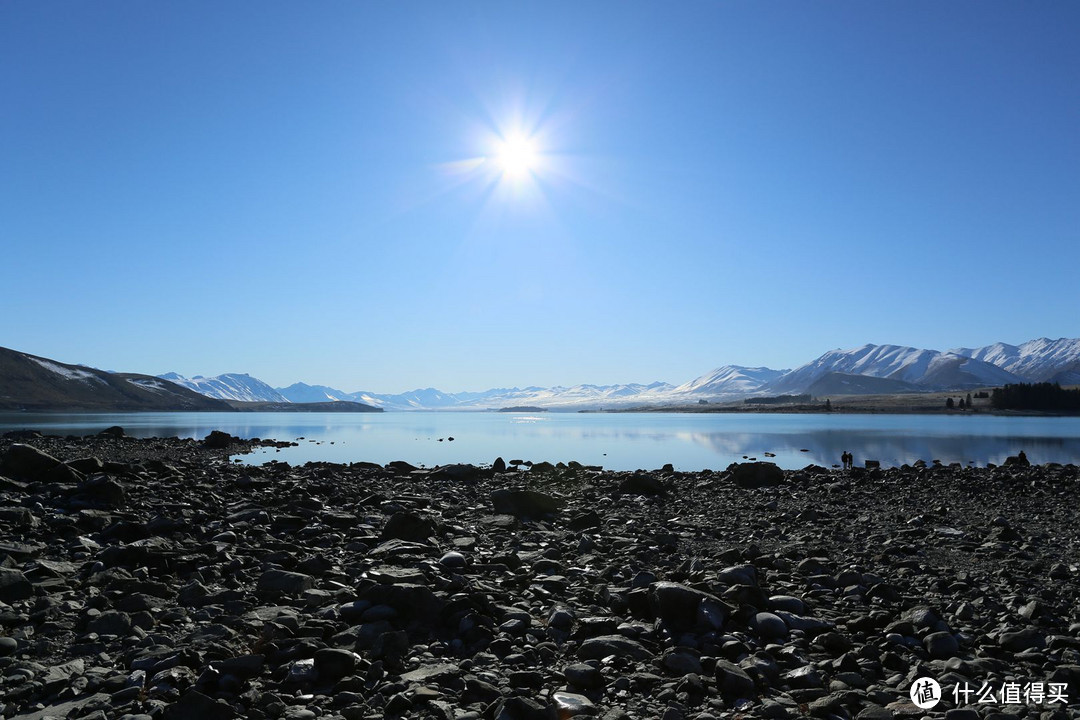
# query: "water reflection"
(624, 441)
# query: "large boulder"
(408, 526)
(756, 474)
(683, 608)
(525, 504)
(26, 462)
(283, 582)
(14, 586)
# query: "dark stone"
(585, 521)
(1020, 640)
(103, 490)
(584, 676)
(115, 431)
(333, 664)
(26, 462)
(684, 608)
(242, 666)
(941, 645)
(14, 586)
(112, 622)
(642, 484)
(218, 440)
(525, 504)
(408, 526)
(733, 681)
(598, 648)
(284, 582)
(461, 472)
(196, 706)
(756, 474)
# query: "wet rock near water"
(157, 579)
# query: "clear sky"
(384, 196)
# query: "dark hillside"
(36, 384)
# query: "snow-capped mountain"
(730, 380)
(1041, 360)
(927, 369)
(304, 393)
(231, 386)
(867, 369)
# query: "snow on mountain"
(1040, 360)
(730, 380)
(68, 372)
(928, 369)
(304, 393)
(231, 386)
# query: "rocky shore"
(157, 579)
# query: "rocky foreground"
(157, 579)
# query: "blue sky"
(313, 191)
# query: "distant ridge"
(32, 383)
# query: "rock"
(244, 667)
(682, 662)
(408, 526)
(768, 625)
(733, 681)
(26, 462)
(111, 623)
(14, 586)
(453, 560)
(102, 490)
(787, 603)
(941, 645)
(332, 664)
(115, 431)
(193, 705)
(1021, 640)
(598, 648)
(642, 484)
(961, 714)
(218, 440)
(8, 646)
(585, 521)
(756, 474)
(684, 608)
(525, 504)
(284, 582)
(569, 705)
(583, 676)
(459, 472)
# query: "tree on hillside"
(949, 404)
(1036, 396)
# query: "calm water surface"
(623, 441)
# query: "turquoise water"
(623, 441)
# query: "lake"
(617, 441)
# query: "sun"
(517, 155)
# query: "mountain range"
(32, 383)
(870, 369)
